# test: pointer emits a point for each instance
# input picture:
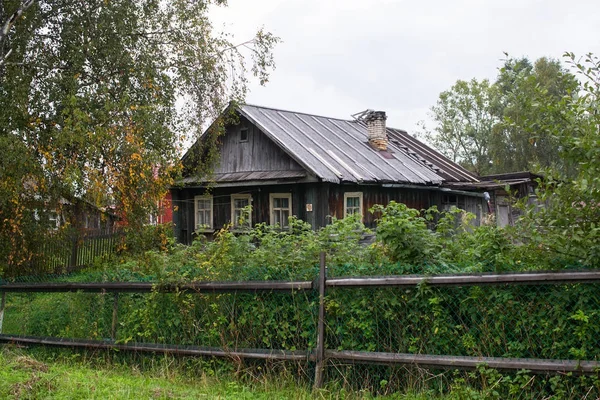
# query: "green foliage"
(464, 117)
(147, 238)
(405, 234)
(546, 321)
(567, 223)
(481, 124)
(90, 102)
(514, 148)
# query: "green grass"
(26, 374)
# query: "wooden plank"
(159, 348)
(320, 350)
(463, 362)
(209, 287)
(74, 251)
(470, 279)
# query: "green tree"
(477, 123)
(465, 117)
(568, 223)
(96, 96)
(511, 147)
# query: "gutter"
(435, 188)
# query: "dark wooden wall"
(258, 153)
(327, 201)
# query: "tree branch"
(25, 4)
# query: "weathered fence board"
(463, 362)
(146, 287)
(159, 348)
(470, 279)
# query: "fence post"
(74, 251)
(2, 304)
(113, 328)
(320, 351)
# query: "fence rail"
(470, 279)
(320, 355)
(259, 354)
(147, 287)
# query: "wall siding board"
(259, 153)
(327, 201)
(373, 195)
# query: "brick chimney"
(376, 133)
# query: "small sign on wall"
(309, 207)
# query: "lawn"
(24, 375)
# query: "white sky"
(339, 57)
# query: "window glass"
(281, 209)
(204, 212)
(353, 203)
(241, 217)
(244, 135)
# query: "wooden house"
(503, 191)
(284, 163)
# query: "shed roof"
(337, 150)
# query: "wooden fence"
(320, 355)
(69, 251)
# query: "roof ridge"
(316, 115)
(298, 112)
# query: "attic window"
(243, 135)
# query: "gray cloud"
(340, 57)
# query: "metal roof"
(337, 150)
(447, 169)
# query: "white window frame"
(210, 227)
(240, 197)
(273, 196)
(360, 203)
(54, 219)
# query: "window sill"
(204, 231)
(241, 230)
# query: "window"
(353, 203)
(449, 200)
(54, 219)
(241, 217)
(280, 205)
(244, 135)
(203, 210)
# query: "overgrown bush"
(158, 237)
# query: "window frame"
(210, 227)
(240, 197)
(360, 203)
(242, 140)
(272, 197)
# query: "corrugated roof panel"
(337, 150)
(355, 150)
(314, 140)
(449, 169)
(295, 149)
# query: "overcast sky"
(339, 57)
